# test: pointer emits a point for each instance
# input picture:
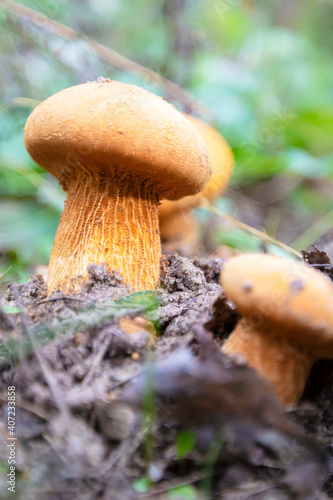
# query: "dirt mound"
(112, 386)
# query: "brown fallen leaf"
(318, 259)
(136, 325)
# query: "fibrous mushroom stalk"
(179, 231)
(179, 228)
(284, 365)
(111, 220)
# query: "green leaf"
(147, 300)
(185, 443)
(186, 492)
(301, 163)
(211, 457)
(142, 485)
(11, 309)
(236, 238)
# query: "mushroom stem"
(284, 365)
(111, 220)
(180, 231)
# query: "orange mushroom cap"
(289, 298)
(117, 149)
(180, 231)
(117, 127)
(222, 161)
(287, 319)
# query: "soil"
(123, 395)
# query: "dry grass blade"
(5, 272)
(46, 369)
(314, 232)
(21, 102)
(172, 90)
(89, 317)
(168, 485)
(249, 229)
(97, 360)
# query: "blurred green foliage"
(264, 68)
(187, 492)
(185, 443)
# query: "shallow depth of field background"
(264, 68)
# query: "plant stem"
(312, 233)
(249, 229)
(173, 90)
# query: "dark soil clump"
(92, 418)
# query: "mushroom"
(287, 323)
(116, 149)
(178, 226)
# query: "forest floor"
(123, 395)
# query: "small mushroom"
(287, 324)
(116, 149)
(178, 226)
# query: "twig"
(54, 299)
(22, 102)
(122, 454)
(123, 382)
(25, 405)
(49, 377)
(173, 90)
(314, 232)
(320, 265)
(249, 229)
(51, 381)
(251, 488)
(171, 484)
(5, 272)
(96, 361)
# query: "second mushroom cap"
(272, 292)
